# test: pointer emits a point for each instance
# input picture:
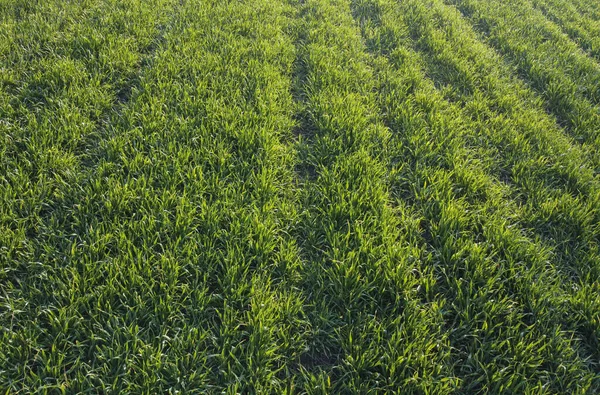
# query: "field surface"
(300, 196)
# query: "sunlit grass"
(320, 196)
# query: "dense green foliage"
(300, 196)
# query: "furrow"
(567, 79)
(374, 325)
(582, 29)
(469, 215)
(173, 267)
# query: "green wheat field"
(300, 196)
